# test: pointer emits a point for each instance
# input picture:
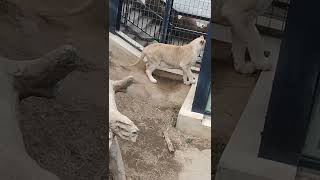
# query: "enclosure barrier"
(166, 21)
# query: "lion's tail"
(141, 58)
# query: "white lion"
(242, 15)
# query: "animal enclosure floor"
(231, 92)
(153, 108)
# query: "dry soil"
(154, 109)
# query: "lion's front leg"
(243, 27)
(256, 49)
(238, 52)
(185, 78)
(192, 78)
(188, 74)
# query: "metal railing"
(166, 21)
(273, 21)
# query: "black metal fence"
(294, 90)
(203, 89)
(273, 21)
(167, 21)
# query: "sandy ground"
(67, 134)
(231, 92)
(195, 164)
(153, 108)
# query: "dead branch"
(116, 162)
(119, 125)
(168, 141)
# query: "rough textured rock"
(21, 79)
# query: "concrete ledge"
(123, 45)
(130, 40)
(240, 158)
(191, 122)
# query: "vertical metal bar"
(204, 82)
(170, 24)
(133, 7)
(118, 20)
(166, 21)
(126, 12)
(113, 15)
(285, 19)
(129, 11)
(143, 17)
(139, 16)
(290, 103)
(155, 17)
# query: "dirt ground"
(231, 92)
(67, 134)
(154, 109)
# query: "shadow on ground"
(231, 92)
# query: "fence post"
(126, 12)
(166, 22)
(119, 14)
(114, 15)
(203, 88)
(294, 85)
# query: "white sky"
(195, 7)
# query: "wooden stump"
(121, 126)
